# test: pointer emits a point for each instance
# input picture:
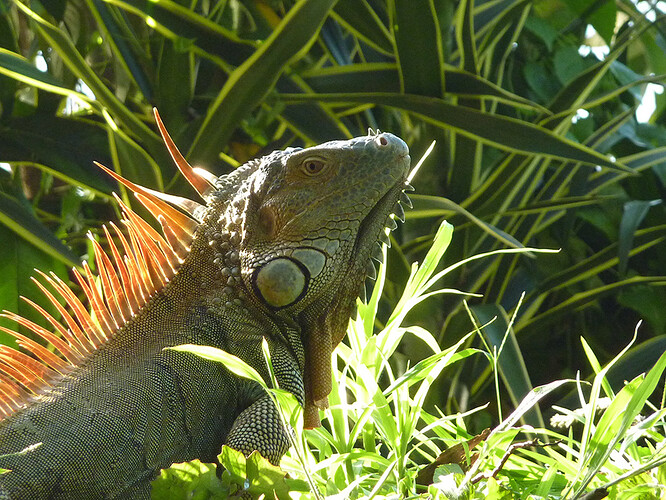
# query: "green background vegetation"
(498, 84)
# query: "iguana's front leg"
(259, 427)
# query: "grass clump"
(379, 441)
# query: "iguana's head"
(295, 231)
(298, 225)
(314, 214)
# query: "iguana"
(279, 250)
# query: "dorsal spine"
(127, 279)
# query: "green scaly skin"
(281, 251)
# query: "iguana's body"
(279, 252)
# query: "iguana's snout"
(394, 143)
(346, 181)
(385, 208)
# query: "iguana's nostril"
(382, 140)
(395, 144)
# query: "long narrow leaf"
(418, 44)
(500, 131)
(24, 223)
(384, 77)
(248, 84)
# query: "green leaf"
(655, 158)
(234, 462)
(22, 221)
(18, 261)
(256, 476)
(495, 193)
(249, 83)
(421, 278)
(64, 147)
(465, 36)
(418, 47)
(8, 86)
(567, 64)
(193, 480)
(500, 131)
(176, 76)
(575, 92)
(556, 205)
(365, 77)
(638, 359)
(650, 158)
(266, 478)
(432, 364)
(365, 21)
(596, 366)
(447, 479)
(384, 77)
(528, 402)
(600, 14)
(648, 302)
(315, 122)
(19, 67)
(115, 29)
(24, 451)
(542, 29)
(634, 213)
(234, 364)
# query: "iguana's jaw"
(373, 226)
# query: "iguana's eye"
(312, 166)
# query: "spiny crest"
(127, 278)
